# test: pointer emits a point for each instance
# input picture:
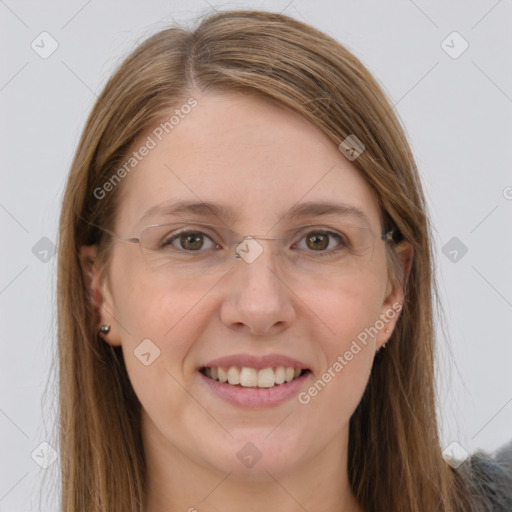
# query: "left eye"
(190, 241)
(320, 241)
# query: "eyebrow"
(226, 214)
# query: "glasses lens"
(201, 249)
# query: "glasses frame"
(386, 235)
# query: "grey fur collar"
(491, 479)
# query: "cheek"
(161, 323)
(152, 305)
(337, 387)
(347, 343)
(333, 396)
(347, 310)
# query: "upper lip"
(257, 362)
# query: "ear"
(99, 294)
(394, 296)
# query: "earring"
(104, 329)
(379, 351)
(387, 331)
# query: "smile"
(247, 377)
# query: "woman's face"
(193, 305)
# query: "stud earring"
(387, 331)
(104, 329)
(379, 351)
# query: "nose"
(257, 299)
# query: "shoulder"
(491, 478)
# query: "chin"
(253, 454)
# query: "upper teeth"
(251, 377)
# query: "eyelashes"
(319, 242)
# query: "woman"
(245, 287)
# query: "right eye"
(190, 241)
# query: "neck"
(177, 483)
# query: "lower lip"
(256, 397)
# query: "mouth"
(250, 381)
(255, 378)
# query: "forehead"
(249, 155)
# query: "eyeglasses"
(201, 250)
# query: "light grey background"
(458, 116)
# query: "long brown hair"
(395, 462)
